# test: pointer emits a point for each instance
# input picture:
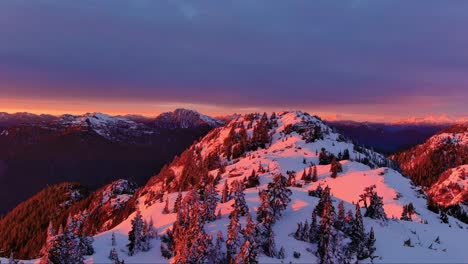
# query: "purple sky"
(352, 57)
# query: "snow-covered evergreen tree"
(358, 236)
(269, 245)
(325, 198)
(166, 206)
(177, 202)
(225, 194)
(151, 231)
(325, 246)
(335, 168)
(136, 236)
(370, 243)
(239, 198)
(314, 174)
(247, 254)
(278, 195)
(210, 203)
(113, 255)
(375, 209)
(233, 241)
(218, 256)
(281, 253)
(113, 241)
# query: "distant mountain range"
(92, 149)
(388, 138)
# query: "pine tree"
(358, 236)
(443, 216)
(281, 253)
(113, 241)
(233, 241)
(278, 195)
(166, 206)
(314, 174)
(404, 215)
(269, 246)
(324, 159)
(240, 204)
(346, 154)
(210, 203)
(151, 232)
(113, 255)
(136, 236)
(253, 180)
(291, 178)
(325, 197)
(177, 202)
(370, 243)
(218, 255)
(375, 209)
(325, 247)
(225, 194)
(48, 247)
(191, 243)
(338, 253)
(335, 168)
(340, 221)
(247, 254)
(313, 231)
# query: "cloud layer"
(384, 55)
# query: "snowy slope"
(287, 152)
(452, 187)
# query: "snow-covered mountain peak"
(185, 118)
(296, 145)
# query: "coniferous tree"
(346, 154)
(278, 195)
(247, 253)
(240, 204)
(314, 174)
(443, 216)
(313, 231)
(252, 180)
(375, 209)
(340, 221)
(404, 215)
(281, 253)
(113, 255)
(325, 247)
(325, 197)
(210, 203)
(136, 236)
(370, 243)
(177, 202)
(358, 236)
(225, 194)
(335, 168)
(113, 241)
(291, 178)
(151, 232)
(166, 206)
(191, 243)
(233, 241)
(269, 246)
(324, 158)
(218, 256)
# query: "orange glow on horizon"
(152, 109)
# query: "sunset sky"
(381, 60)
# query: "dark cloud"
(237, 53)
